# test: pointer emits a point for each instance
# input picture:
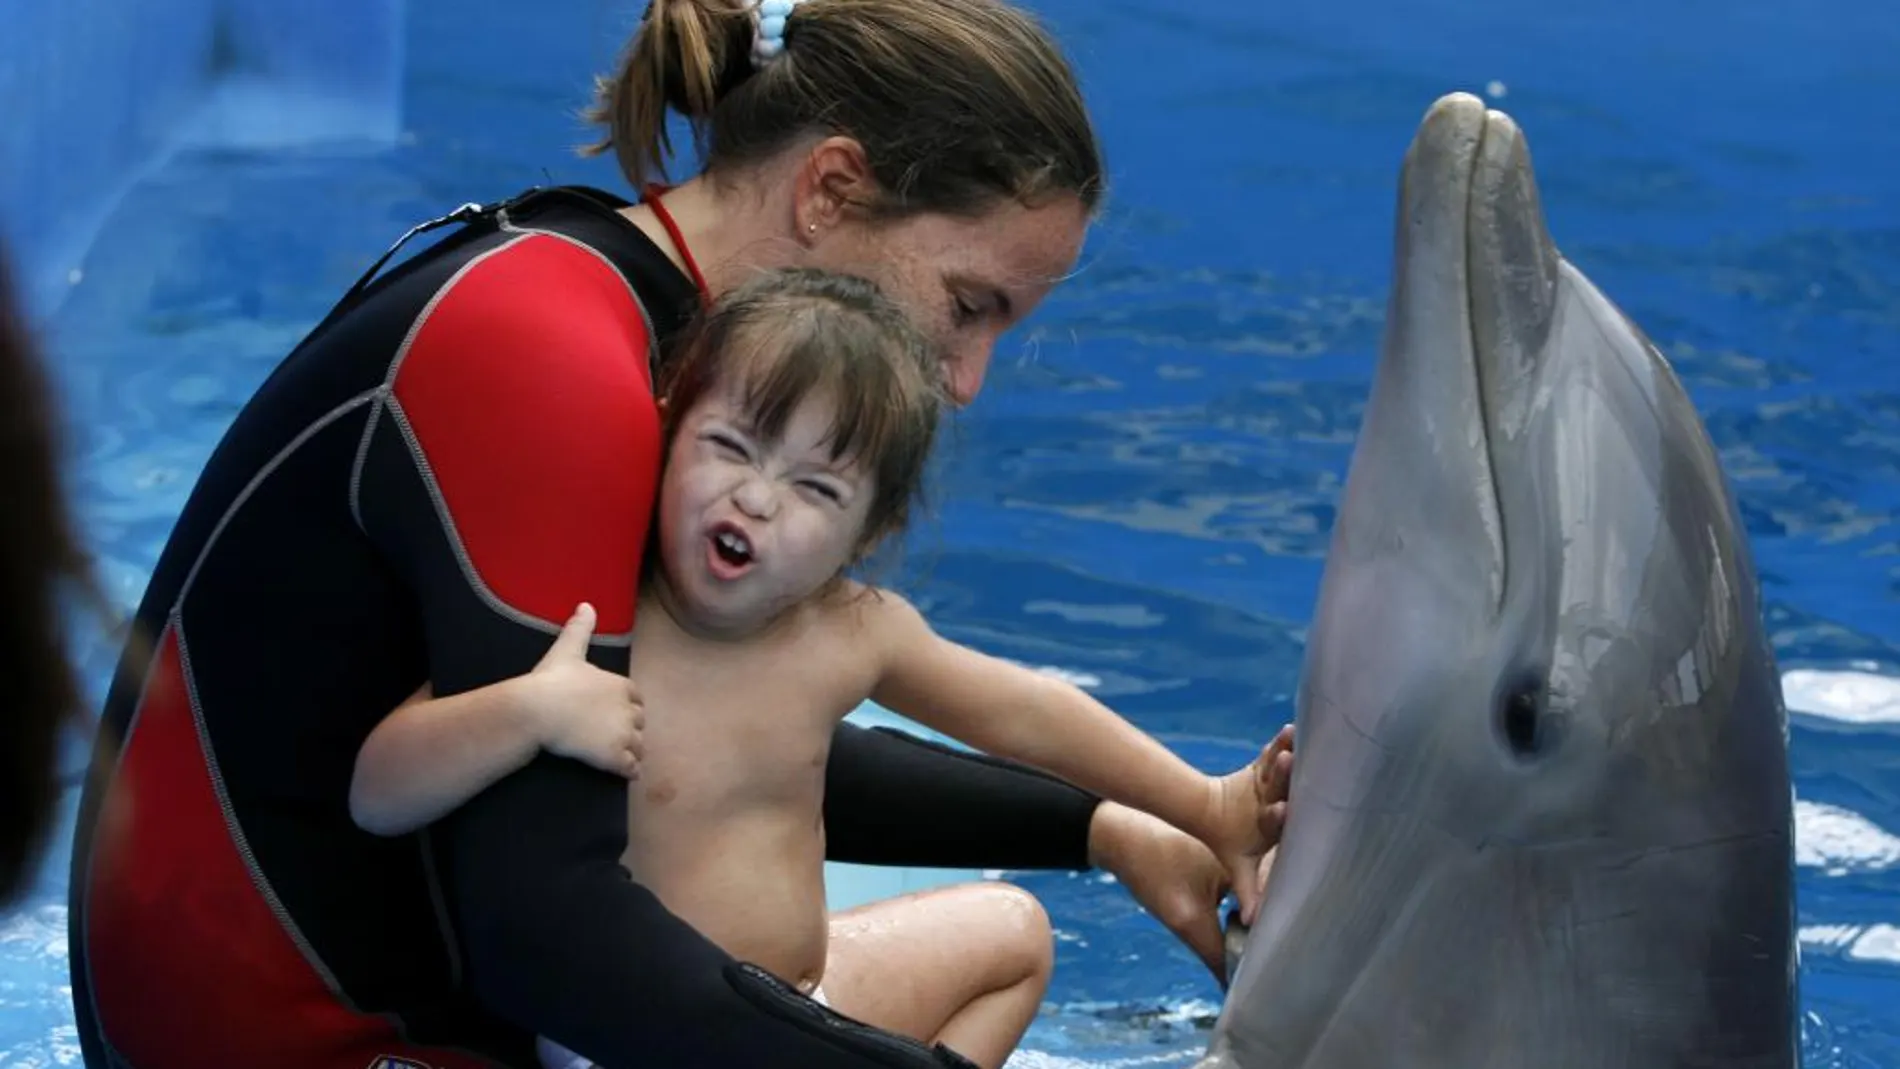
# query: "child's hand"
(1250, 811)
(584, 712)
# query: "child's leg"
(965, 966)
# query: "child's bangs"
(794, 363)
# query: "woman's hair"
(788, 334)
(959, 104)
(39, 555)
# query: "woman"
(459, 454)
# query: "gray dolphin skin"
(1541, 814)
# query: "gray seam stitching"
(467, 564)
(236, 832)
(646, 318)
(395, 365)
(270, 468)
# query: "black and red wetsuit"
(458, 454)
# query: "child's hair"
(959, 104)
(795, 332)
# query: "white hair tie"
(768, 36)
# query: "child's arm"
(432, 754)
(1010, 711)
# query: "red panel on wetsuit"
(179, 891)
(527, 387)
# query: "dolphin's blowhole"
(1521, 720)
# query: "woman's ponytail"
(684, 56)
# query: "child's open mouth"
(730, 553)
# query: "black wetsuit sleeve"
(892, 798)
(483, 508)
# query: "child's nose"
(756, 499)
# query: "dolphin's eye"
(1521, 720)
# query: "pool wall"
(97, 93)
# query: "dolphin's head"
(1540, 812)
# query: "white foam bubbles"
(1840, 841)
(1852, 696)
(1879, 943)
(34, 933)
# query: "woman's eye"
(963, 311)
(729, 444)
(829, 492)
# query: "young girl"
(801, 416)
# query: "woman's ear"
(836, 177)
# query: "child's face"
(750, 528)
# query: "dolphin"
(1541, 814)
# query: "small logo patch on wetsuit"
(384, 1061)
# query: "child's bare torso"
(726, 820)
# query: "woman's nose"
(965, 367)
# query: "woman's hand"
(581, 711)
(1174, 876)
(1249, 812)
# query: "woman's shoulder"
(540, 313)
(545, 279)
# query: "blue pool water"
(1143, 494)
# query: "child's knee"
(1024, 925)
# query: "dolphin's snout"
(1435, 179)
(1452, 118)
(1511, 269)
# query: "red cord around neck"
(652, 194)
